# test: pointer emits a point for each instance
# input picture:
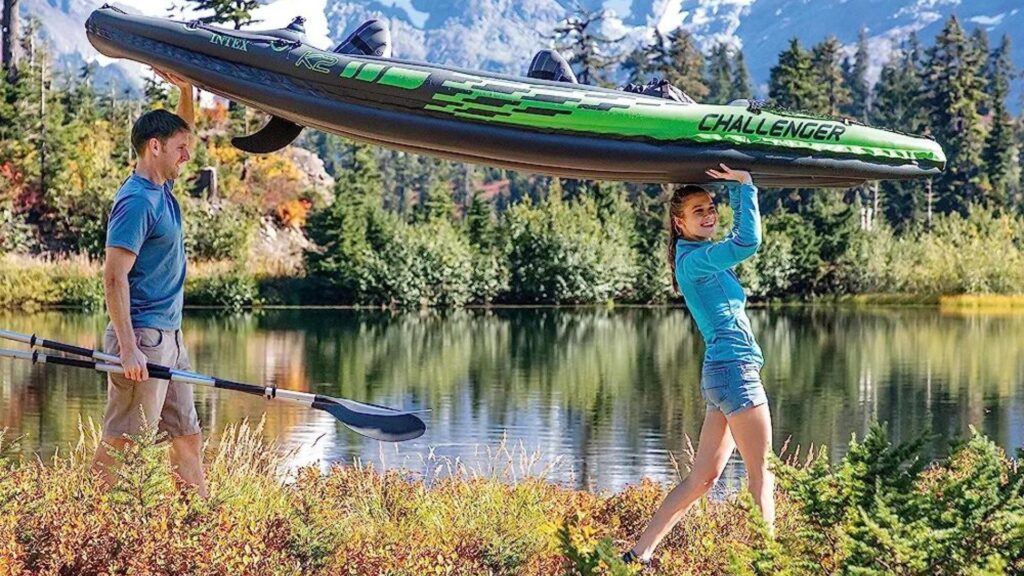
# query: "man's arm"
(186, 104)
(118, 263)
(186, 101)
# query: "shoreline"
(981, 302)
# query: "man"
(143, 279)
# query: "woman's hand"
(726, 173)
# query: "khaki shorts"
(171, 402)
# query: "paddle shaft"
(163, 373)
(155, 370)
(34, 341)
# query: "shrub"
(16, 236)
(29, 283)
(438, 269)
(217, 230)
(559, 252)
(223, 285)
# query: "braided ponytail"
(675, 210)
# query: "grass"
(502, 517)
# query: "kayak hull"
(524, 124)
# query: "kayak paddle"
(370, 420)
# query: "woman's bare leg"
(752, 430)
(713, 451)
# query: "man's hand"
(134, 362)
(173, 78)
(728, 174)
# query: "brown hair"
(675, 210)
(159, 124)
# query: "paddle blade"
(377, 422)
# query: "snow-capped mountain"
(501, 35)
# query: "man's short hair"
(156, 124)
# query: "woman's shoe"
(631, 558)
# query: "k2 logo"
(317, 62)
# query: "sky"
(277, 14)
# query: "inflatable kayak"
(526, 124)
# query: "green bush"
(652, 283)
(218, 230)
(774, 269)
(16, 236)
(978, 254)
(823, 253)
(561, 252)
(232, 289)
(367, 256)
(490, 276)
(439, 269)
(347, 263)
(882, 510)
(30, 283)
(81, 291)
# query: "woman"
(737, 411)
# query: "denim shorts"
(732, 386)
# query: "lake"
(601, 397)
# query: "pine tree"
(237, 12)
(685, 66)
(719, 75)
(897, 106)
(898, 91)
(610, 198)
(79, 98)
(741, 87)
(792, 83)
(636, 66)
(856, 80)
(344, 232)
(1019, 199)
(1001, 155)
(437, 201)
(980, 42)
(480, 223)
(828, 73)
(157, 93)
(38, 112)
(10, 30)
(952, 91)
(578, 34)
(646, 59)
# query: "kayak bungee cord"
(370, 420)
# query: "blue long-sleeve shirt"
(711, 288)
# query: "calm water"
(605, 396)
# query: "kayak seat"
(371, 38)
(549, 65)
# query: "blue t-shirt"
(711, 288)
(146, 220)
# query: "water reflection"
(610, 392)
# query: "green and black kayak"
(538, 126)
